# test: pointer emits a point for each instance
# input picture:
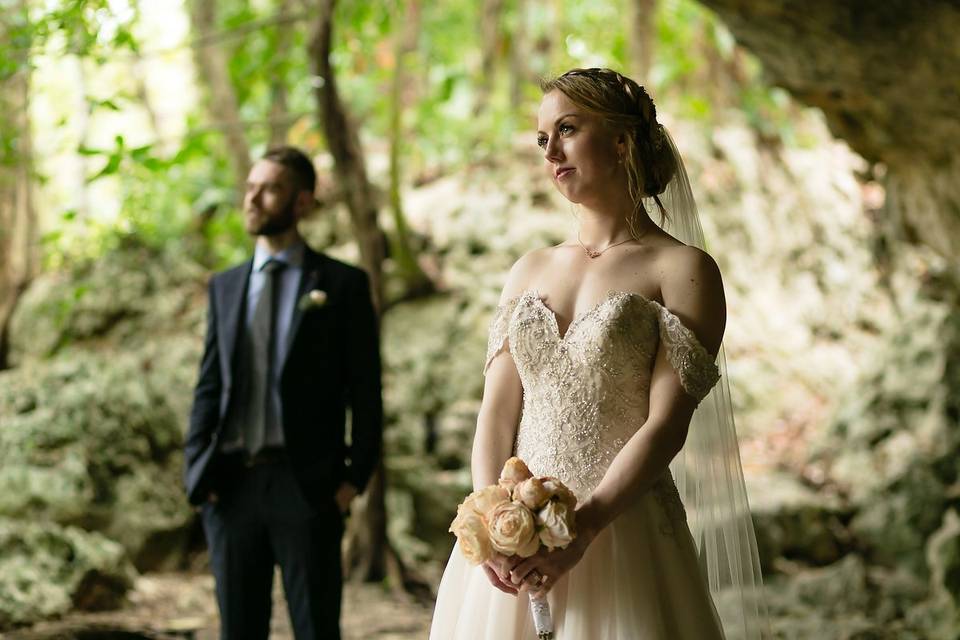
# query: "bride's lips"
(561, 172)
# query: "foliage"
(87, 28)
(165, 202)
(167, 192)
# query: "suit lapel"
(309, 280)
(230, 299)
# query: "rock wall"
(887, 77)
(91, 431)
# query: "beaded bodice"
(587, 391)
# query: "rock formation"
(887, 77)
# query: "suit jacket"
(333, 361)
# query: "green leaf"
(154, 164)
(139, 154)
(107, 104)
(113, 164)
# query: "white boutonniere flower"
(312, 300)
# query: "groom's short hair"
(298, 163)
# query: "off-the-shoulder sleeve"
(697, 369)
(498, 340)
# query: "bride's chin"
(571, 197)
(578, 196)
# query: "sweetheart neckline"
(610, 295)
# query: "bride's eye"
(564, 129)
(542, 141)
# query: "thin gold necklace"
(593, 253)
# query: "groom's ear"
(305, 204)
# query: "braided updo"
(626, 107)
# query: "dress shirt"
(289, 284)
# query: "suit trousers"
(264, 520)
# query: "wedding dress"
(584, 394)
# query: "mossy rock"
(433, 350)
(428, 503)
(47, 570)
(118, 299)
(93, 441)
(894, 525)
(893, 445)
(943, 557)
(846, 600)
(795, 522)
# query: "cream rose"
(556, 524)
(473, 537)
(531, 493)
(482, 501)
(559, 491)
(514, 472)
(513, 530)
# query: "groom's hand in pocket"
(346, 492)
(211, 499)
(498, 570)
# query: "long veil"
(708, 472)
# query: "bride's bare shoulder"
(675, 263)
(524, 270)
(685, 259)
(692, 288)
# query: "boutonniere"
(312, 300)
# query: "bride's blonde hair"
(626, 108)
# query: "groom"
(291, 344)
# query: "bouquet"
(515, 517)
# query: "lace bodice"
(587, 391)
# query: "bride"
(605, 369)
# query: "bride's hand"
(498, 571)
(540, 572)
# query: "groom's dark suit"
(279, 507)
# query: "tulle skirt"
(638, 580)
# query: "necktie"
(263, 410)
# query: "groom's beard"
(275, 224)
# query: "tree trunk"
(490, 13)
(401, 252)
(212, 66)
(559, 45)
(642, 38)
(81, 120)
(140, 70)
(279, 118)
(430, 432)
(18, 220)
(520, 75)
(368, 556)
(343, 141)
